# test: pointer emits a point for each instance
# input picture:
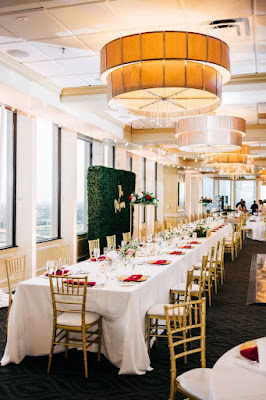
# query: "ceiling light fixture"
(165, 74)
(234, 164)
(210, 133)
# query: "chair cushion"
(158, 309)
(181, 287)
(196, 382)
(74, 319)
(197, 273)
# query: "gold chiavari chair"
(229, 245)
(198, 289)
(156, 313)
(221, 270)
(216, 266)
(168, 226)
(143, 233)
(16, 273)
(127, 236)
(196, 382)
(209, 274)
(264, 230)
(70, 316)
(93, 244)
(63, 252)
(208, 234)
(111, 241)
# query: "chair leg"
(210, 295)
(51, 350)
(85, 351)
(66, 347)
(149, 337)
(99, 338)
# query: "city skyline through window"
(7, 172)
(47, 182)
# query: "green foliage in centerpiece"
(102, 185)
(143, 197)
(205, 200)
(201, 231)
(129, 249)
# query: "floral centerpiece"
(201, 230)
(143, 197)
(129, 249)
(205, 200)
(166, 235)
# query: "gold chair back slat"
(176, 330)
(93, 244)
(127, 236)
(111, 241)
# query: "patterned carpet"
(229, 322)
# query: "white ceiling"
(63, 38)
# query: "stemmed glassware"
(96, 253)
(50, 267)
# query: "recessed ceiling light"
(115, 140)
(140, 147)
(126, 144)
(17, 53)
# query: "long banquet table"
(123, 309)
(258, 229)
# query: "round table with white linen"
(258, 229)
(236, 378)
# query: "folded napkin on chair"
(133, 278)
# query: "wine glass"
(105, 251)
(96, 253)
(49, 267)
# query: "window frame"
(90, 141)
(59, 188)
(14, 184)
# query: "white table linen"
(232, 381)
(258, 228)
(122, 307)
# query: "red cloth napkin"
(81, 282)
(101, 258)
(251, 353)
(59, 272)
(187, 247)
(193, 242)
(176, 252)
(133, 278)
(160, 262)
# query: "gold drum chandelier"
(210, 133)
(263, 177)
(165, 74)
(234, 164)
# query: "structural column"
(69, 191)
(26, 192)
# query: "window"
(156, 187)
(225, 190)
(84, 160)
(129, 163)
(7, 177)
(143, 185)
(262, 192)
(48, 180)
(109, 156)
(245, 190)
(208, 188)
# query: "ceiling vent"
(230, 29)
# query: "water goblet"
(49, 267)
(96, 253)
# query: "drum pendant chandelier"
(210, 133)
(263, 178)
(234, 164)
(166, 73)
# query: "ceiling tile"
(7, 37)
(91, 79)
(39, 25)
(33, 54)
(260, 7)
(81, 65)
(261, 50)
(67, 81)
(64, 47)
(261, 27)
(87, 18)
(242, 50)
(243, 67)
(48, 68)
(261, 66)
